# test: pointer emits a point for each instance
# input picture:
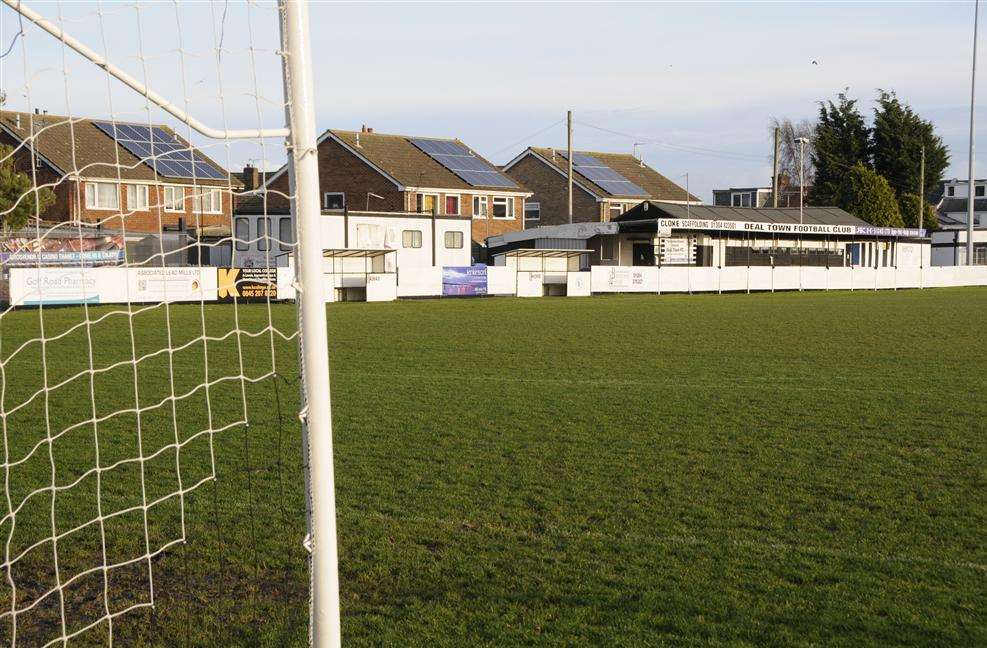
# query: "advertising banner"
(785, 228)
(246, 284)
(20, 252)
(172, 284)
(464, 281)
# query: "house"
(949, 241)
(788, 195)
(132, 178)
(605, 185)
(369, 171)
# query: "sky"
(694, 84)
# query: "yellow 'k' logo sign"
(226, 282)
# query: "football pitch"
(771, 469)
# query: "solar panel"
(162, 151)
(458, 159)
(603, 176)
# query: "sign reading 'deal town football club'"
(785, 228)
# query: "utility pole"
(973, 95)
(688, 202)
(801, 177)
(569, 159)
(921, 190)
(774, 171)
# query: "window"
(427, 203)
(284, 233)
(454, 240)
(503, 207)
(208, 201)
(263, 232)
(607, 248)
(411, 238)
(174, 199)
(615, 211)
(242, 234)
(532, 211)
(102, 195)
(479, 206)
(452, 205)
(740, 200)
(137, 197)
(950, 191)
(334, 200)
(978, 191)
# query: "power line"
(526, 138)
(696, 150)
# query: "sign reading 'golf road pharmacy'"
(785, 228)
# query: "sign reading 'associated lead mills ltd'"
(786, 228)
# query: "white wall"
(367, 231)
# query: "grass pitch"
(769, 469)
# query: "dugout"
(359, 275)
(661, 234)
(547, 272)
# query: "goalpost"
(133, 464)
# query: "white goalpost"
(128, 353)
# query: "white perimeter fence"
(28, 286)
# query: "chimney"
(251, 177)
(366, 129)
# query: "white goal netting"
(151, 474)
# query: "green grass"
(774, 469)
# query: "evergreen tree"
(908, 205)
(840, 142)
(868, 196)
(896, 146)
(16, 206)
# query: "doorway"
(643, 253)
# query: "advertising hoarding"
(464, 281)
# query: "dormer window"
(950, 191)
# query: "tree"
(840, 143)
(868, 196)
(908, 206)
(17, 197)
(789, 133)
(896, 146)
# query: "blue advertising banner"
(461, 281)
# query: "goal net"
(152, 349)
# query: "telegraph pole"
(569, 159)
(921, 190)
(801, 177)
(973, 95)
(774, 172)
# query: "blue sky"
(697, 82)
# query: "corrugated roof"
(810, 215)
(94, 153)
(396, 156)
(658, 186)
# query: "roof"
(658, 186)
(567, 231)
(94, 154)
(407, 164)
(543, 253)
(810, 215)
(959, 205)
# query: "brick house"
(98, 178)
(368, 171)
(604, 185)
